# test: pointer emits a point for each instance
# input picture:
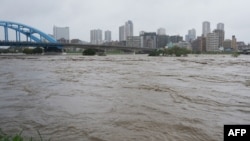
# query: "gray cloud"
(177, 16)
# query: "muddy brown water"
(124, 98)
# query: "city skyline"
(82, 16)
(191, 36)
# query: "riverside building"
(205, 28)
(61, 34)
(96, 36)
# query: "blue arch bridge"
(37, 38)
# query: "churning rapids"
(124, 97)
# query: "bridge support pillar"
(18, 34)
(41, 38)
(28, 38)
(6, 33)
(18, 39)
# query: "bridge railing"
(32, 44)
(69, 45)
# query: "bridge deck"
(69, 45)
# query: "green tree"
(235, 54)
(28, 51)
(89, 52)
(37, 50)
(177, 51)
(154, 53)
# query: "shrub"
(235, 54)
(177, 51)
(89, 52)
(37, 50)
(154, 53)
(18, 137)
(28, 51)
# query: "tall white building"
(122, 33)
(129, 29)
(96, 36)
(220, 26)
(206, 28)
(191, 35)
(212, 42)
(107, 36)
(61, 34)
(161, 31)
(126, 31)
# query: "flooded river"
(124, 98)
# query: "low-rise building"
(212, 42)
(148, 39)
(241, 45)
(227, 44)
(230, 45)
(199, 45)
(184, 44)
(176, 39)
(76, 41)
(162, 41)
(133, 41)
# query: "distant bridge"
(32, 34)
(69, 45)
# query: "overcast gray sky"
(176, 16)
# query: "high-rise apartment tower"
(96, 36)
(107, 36)
(220, 26)
(126, 30)
(161, 31)
(61, 34)
(191, 35)
(205, 28)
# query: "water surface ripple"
(124, 97)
